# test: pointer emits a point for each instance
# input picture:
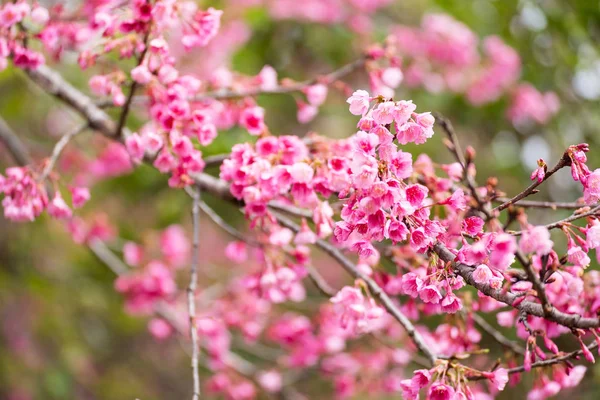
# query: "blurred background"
(64, 332)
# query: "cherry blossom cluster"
(13, 15)
(25, 197)
(442, 55)
(363, 196)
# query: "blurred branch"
(496, 334)
(58, 148)
(542, 204)
(558, 224)
(13, 144)
(563, 162)
(191, 292)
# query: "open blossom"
(536, 239)
(591, 188)
(359, 102)
(441, 391)
(357, 313)
(79, 196)
(482, 274)
(202, 28)
(252, 118)
(58, 208)
(499, 378)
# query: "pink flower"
(141, 74)
(392, 77)
(536, 239)
(451, 304)
(133, 253)
(593, 234)
(499, 378)
(540, 172)
(135, 146)
(175, 245)
(578, 257)
(383, 114)
(40, 15)
(10, 14)
(58, 208)
(205, 26)
(159, 328)
(306, 112)
(503, 251)
(591, 188)
(271, 381)
(359, 102)
(482, 274)
(456, 202)
(411, 284)
(316, 94)
(430, 294)
(236, 251)
(252, 118)
(356, 313)
(473, 225)
(440, 391)
(79, 196)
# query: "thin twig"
(497, 335)
(134, 85)
(191, 293)
(58, 148)
(13, 144)
(559, 224)
(543, 204)
(563, 162)
(536, 281)
(320, 282)
(456, 149)
(216, 218)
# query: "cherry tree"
(422, 241)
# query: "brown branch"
(552, 361)
(13, 144)
(528, 307)
(53, 83)
(134, 85)
(543, 204)
(558, 224)
(563, 162)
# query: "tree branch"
(58, 148)
(191, 294)
(528, 307)
(563, 162)
(13, 144)
(497, 335)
